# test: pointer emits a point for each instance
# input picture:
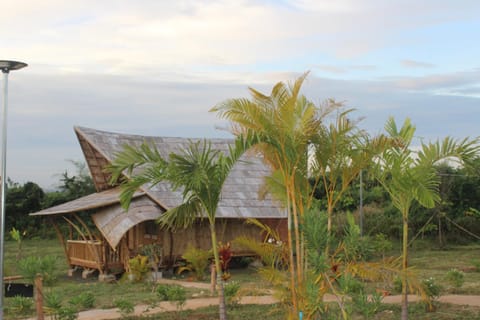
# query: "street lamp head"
(7, 65)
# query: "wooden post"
(39, 296)
(213, 278)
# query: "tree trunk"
(293, 288)
(440, 236)
(222, 309)
(404, 269)
(329, 228)
(296, 227)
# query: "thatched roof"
(110, 218)
(114, 222)
(240, 194)
(92, 201)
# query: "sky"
(156, 67)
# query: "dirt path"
(449, 298)
(98, 314)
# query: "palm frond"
(182, 216)
(132, 157)
(462, 151)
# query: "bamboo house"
(115, 235)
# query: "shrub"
(19, 305)
(397, 284)
(476, 264)
(154, 252)
(126, 307)
(231, 290)
(172, 293)
(52, 301)
(455, 277)
(67, 313)
(350, 285)
(85, 300)
(198, 260)
(432, 290)
(367, 305)
(29, 267)
(138, 266)
(53, 306)
(225, 253)
(382, 244)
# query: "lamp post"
(6, 66)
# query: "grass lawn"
(428, 262)
(416, 311)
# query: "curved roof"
(240, 193)
(113, 222)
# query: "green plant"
(367, 305)
(350, 285)
(125, 307)
(231, 292)
(46, 266)
(52, 303)
(431, 288)
(198, 260)
(86, 300)
(476, 264)
(17, 236)
(67, 313)
(225, 252)
(397, 284)
(138, 266)
(154, 252)
(455, 277)
(172, 293)
(19, 305)
(381, 244)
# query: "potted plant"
(154, 252)
(137, 267)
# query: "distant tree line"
(456, 219)
(23, 199)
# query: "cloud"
(125, 37)
(416, 64)
(443, 82)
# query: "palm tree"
(340, 150)
(199, 172)
(284, 123)
(409, 176)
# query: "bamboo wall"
(174, 244)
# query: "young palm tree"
(340, 150)
(199, 172)
(284, 123)
(410, 176)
